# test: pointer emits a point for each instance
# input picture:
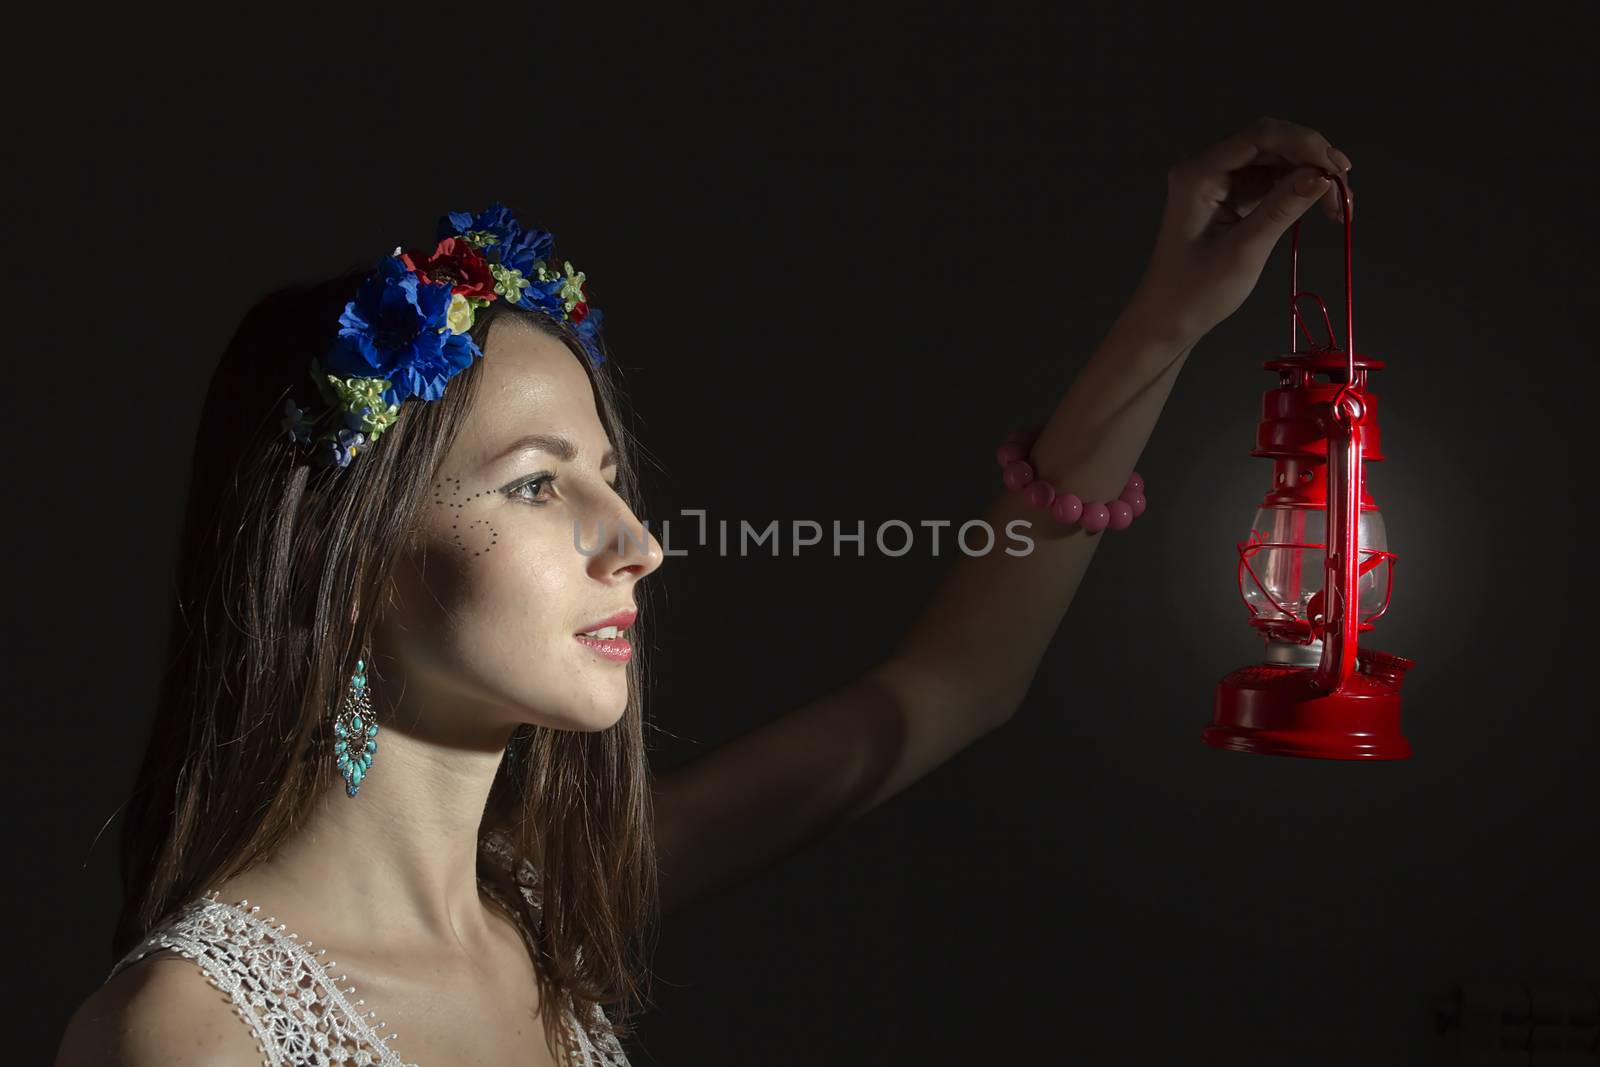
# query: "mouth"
(610, 627)
(605, 637)
(616, 649)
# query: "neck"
(398, 861)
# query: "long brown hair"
(278, 556)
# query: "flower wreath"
(405, 334)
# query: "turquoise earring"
(357, 729)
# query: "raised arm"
(968, 659)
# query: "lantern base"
(1274, 710)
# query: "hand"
(1227, 205)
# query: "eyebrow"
(555, 444)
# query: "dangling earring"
(356, 728)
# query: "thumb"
(1291, 195)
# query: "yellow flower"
(460, 314)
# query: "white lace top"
(299, 1012)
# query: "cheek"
(487, 623)
(510, 630)
(505, 584)
(456, 522)
(496, 588)
(521, 587)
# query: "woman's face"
(488, 604)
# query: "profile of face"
(509, 565)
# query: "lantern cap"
(1321, 359)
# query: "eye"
(516, 491)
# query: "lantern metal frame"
(1348, 705)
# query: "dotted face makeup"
(465, 533)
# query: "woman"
(482, 868)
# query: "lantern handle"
(1349, 296)
(1327, 322)
(1341, 614)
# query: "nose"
(619, 545)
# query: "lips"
(621, 620)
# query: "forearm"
(780, 785)
(967, 660)
(958, 673)
(989, 620)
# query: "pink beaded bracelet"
(1066, 508)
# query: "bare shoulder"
(161, 1010)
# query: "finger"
(1332, 203)
(1268, 136)
(1269, 140)
(1250, 185)
(1294, 193)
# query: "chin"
(595, 710)
(595, 720)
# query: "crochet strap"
(300, 1014)
(278, 987)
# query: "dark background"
(840, 253)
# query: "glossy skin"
(486, 606)
(960, 671)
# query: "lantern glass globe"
(1291, 571)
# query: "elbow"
(939, 691)
(1006, 710)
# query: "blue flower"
(296, 423)
(398, 328)
(588, 333)
(545, 297)
(497, 220)
(511, 246)
(524, 250)
(339, 453)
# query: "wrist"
(1151, 338)
(1150, 321)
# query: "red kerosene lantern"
(1318, 694)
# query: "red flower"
(455, 263)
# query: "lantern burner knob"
(1385, 665)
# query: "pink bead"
(1040, 493)
(1121, 515)
(1136, 483)
(1136, 500)
(1010, 452)
(1095, 517)
(1018, 473)
(1066, 508)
